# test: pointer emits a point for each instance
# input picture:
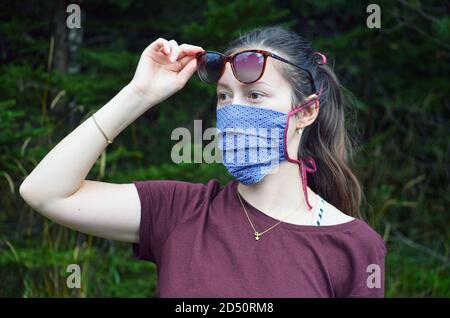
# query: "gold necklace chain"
(256, 233)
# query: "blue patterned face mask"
(252, 141)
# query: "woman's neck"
(279, 192)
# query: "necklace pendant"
(257, 236)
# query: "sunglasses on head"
(248, 66)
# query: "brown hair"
(326, 140)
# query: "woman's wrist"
(146, 99)
(122, 110)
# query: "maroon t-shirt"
(203, 246)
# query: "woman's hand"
(164, 68)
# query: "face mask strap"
(304, 169)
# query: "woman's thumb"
(185, 74)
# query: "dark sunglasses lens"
(209, 67)
(248, 66)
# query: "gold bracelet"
(107, 139)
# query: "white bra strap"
(319, 211)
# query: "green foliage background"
(396, 76)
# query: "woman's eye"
(221, 96)
(255, 95)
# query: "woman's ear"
(307, 116)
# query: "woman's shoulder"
(169, 185)
(332, 215)
(358, 232)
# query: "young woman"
(265, 234)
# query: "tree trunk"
(60, 60)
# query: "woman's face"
(271, 91)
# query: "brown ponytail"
(327, 141)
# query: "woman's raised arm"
(57, 187)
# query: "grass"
(413, 273)
(106, 271)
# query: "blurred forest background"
(52, 78)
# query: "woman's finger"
(158, 45)
(185, 60)
(187, 53)
(174, 50)
(188, 48)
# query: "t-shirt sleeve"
(164, 205)
(356, 258)
(368, 267)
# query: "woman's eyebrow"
(262, 83)
(222, 85)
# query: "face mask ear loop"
(304, 169)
